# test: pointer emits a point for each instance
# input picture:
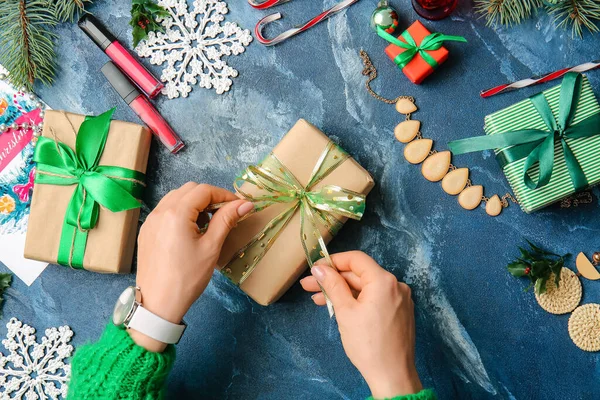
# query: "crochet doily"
(565, 297)
(192, 46)
(34, 370)
(584, 327)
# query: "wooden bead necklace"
(436, 165)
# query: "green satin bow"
(430, 42)
(538, 144)
(114, 188)
(318, 209)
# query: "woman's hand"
(375, 315)
(175, 261)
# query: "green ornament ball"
(384, 17)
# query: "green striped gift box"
(523, 115)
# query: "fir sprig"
(538, 265)
(26, 42)
(145, 15)
(574, 13)
(68, 10)
(578, 14)
(507, 12)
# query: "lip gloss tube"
(142, 107)
(128, 64)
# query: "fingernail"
(245, 208)
(318, 272)
(313, 296)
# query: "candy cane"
(294, 31)
(538, 79)
(16, 102)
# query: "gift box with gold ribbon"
(547, 145)
(85, 203)
(303, 192)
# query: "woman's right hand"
(375, 315)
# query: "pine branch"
(578, 14)
(68, 10)
(27, 46)
(506, 12)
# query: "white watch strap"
(154, 326)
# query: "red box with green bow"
(417, 51)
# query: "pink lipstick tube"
(142, 107)
(126, 62)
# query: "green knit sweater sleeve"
(115, 367)
(426, 394)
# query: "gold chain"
(371, 72)
(507, 197)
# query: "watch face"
(124, 306)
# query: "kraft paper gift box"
(110, 243)
(526, 118)
(285, 260)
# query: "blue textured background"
(479, 335)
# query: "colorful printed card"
(17, 172)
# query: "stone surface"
(454, 260)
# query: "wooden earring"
(586, 268)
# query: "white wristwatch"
(130, 313)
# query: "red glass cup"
(434, 9)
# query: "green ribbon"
(319, 209)
(538, 144)
(114, 188)
(430, 42)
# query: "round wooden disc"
(564, 298)
(584, 327)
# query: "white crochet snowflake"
(192, 46)
(32, 370)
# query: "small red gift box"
(417, 69)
